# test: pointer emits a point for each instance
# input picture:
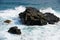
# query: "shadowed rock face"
(14, 30)
(32, 16)
(51, 18)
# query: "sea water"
(45, 32)
(11, 4)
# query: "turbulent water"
(9, 9)
(46, 32)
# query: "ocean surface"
(6, 4)
(9, 9)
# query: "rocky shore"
(32, 16)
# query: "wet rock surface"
(51, 18)
(14, 30)
(32, 16)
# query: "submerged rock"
(7, 21)
(14, 30)
(51, 18)
(32, 16)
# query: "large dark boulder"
(32, 16)
(51, 18)
(14, 30)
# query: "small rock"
(14, 30)
(7, 21)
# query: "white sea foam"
(49, 9)
(46, 32)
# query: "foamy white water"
(46, 32)
(49, 9)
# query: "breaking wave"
(46, 32)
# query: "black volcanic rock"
(14, 30)
(51, 18)
(32, 16)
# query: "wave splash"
(46, 32)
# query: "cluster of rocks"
(14, 29)
(32, 16)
